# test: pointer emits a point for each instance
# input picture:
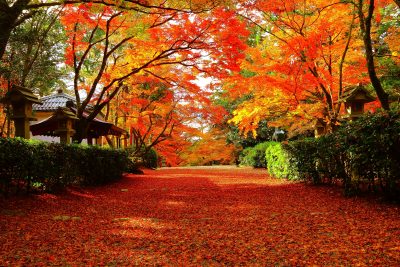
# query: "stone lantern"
(65, 124)
(354, 100)
(319, 128)
(21, 100)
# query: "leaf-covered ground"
(199, 217)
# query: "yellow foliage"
(210, 149)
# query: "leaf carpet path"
(199, 217)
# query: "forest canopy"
(286, 64)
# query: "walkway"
(199, 217)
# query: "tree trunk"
(376, 83)
(81, 130)
(365, 25)
(7, 20)
(9, 15)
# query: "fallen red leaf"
(199, 216)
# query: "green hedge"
(142, 157)
(362, 155)
(150, 159)
(49, 166)
(254, 156)
(278, 161)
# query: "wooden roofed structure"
(58, 117)
(354, 99)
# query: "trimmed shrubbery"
(142, 158)
(277, 161)
(25, 164)
(150, 159)
(254, 156)
(361, 155)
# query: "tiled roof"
(97, 128)
(53, 102)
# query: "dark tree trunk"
(382, 95)
(81, 130)
(9, 16)
(365, 25)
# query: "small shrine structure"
(354, 99)
(57, 117)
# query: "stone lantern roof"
(18, 93)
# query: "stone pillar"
(22, 128)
